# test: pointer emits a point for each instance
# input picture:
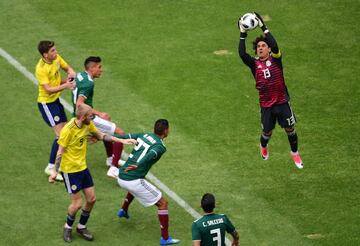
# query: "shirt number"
(140, 144)
(217, 236)
(291, 120)
(266, 73)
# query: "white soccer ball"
(248, 21)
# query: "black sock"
(264, 140)
(54, 149)
(70, 220)
(84, 217)
(293, 140)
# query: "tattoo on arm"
(57, 162)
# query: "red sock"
(108, 148)
(117, 148)
(164, 223)
(127, 201)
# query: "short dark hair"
(259, 39)
(160, 126)
(45, 45)
(208, 202)
(90, 59)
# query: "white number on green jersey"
(74, 95)
(217, 237)
(140, 144)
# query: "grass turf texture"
(158, 62)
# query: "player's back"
(145, 154)
(211, 228)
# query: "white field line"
(181, 202)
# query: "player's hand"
(129, 141)
(52, 177)
(69, 84)
(131, 168)
(92, 139)
(242, 30)
(71, 74)
(261, 21)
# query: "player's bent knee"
(164, 203)
(290, 131)
(91, 200)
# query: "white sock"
(80, 226)
(67, 226)
(51, 165)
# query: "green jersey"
(145, 154)
(84, 87)
(210, 229)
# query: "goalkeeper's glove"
(261, 22)
(242, 30)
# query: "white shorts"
(146, 193)
(104, 126)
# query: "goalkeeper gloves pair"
(260, 21)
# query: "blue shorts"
(53, 113)
(74, 182)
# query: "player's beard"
(87, 121)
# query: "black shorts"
(53, 113)
(74, 182)
(281, 112)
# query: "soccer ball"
(248, 21)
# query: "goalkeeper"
(274, 98)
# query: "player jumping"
(274, 97)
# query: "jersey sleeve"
(41, 76)
(230, 228)
(245, 57)
(83, 91)
(62, 62)
(83, 88)
(273, 45)
(92, 127)
(195, 232)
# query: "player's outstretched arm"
(108, 138)
(272, 42)
(245, 57)
(70, 72)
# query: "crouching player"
(71, 159)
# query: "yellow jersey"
(74, 140)
(49, 73)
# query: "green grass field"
(159, 61)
